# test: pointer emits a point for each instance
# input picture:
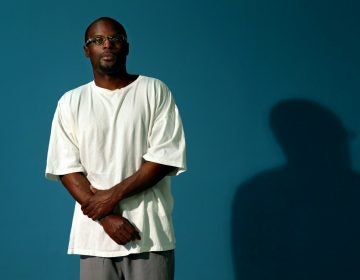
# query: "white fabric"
(106, 135)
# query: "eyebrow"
(114, 34)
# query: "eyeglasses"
(100, 40)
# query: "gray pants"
(149, 266)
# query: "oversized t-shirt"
(107, 134)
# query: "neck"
(114, 81)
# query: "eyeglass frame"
(119, 38)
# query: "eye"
(118, 39)
(98, 40)
(114, 39)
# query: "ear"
(86, 51)
(126, 48)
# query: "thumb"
(93, 189)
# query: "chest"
(113, 117)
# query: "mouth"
(108, 56)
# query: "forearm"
(145, 177)
(103, 202)
(118, 228)
(78, 186)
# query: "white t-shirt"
(106, 134)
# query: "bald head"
(117, 26)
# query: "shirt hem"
(179, 167)
(107, 254)
(55, 175)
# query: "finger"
(87, 209)
(133, 233)
(85, 204)
(129, 232)
(137, 235)
(118, 239)
(124, 237)
(94, 215)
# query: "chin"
(108, 69)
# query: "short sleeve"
(166, 140)
(63, 152)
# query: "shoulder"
(155, 89)
(153, 82)
(74, 95)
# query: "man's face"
(110, 56)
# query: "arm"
(78, 186)
(117, 227)
(104, 201)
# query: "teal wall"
(239, 213)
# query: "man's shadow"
(300, 220)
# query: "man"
(113, 143)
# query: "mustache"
(108, 53)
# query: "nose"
(107, 43)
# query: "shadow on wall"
(301, 220)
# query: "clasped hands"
(99, 207)
(100, 204)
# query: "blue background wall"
(228, 64)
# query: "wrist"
(103, 219)
(86, 197)
(118, 193)
(107, 218)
